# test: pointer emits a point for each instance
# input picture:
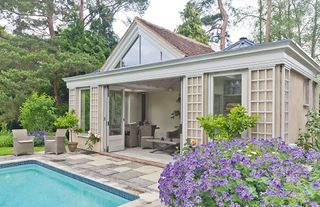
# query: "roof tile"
(185, 45)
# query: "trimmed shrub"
(37, 113)
(255, 172)
(228, 126)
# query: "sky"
(166, 13)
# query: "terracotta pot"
(72, 146)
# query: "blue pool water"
(31, 185)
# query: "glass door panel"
(115, 112)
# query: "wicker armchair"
(22, 143)
(131, 137)
(147, 132)
(55, 144)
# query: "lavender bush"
(38, 137)
(254, 172)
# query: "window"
(149, 53)
(85, 110)
(132, 58)
(306, 92)
(227, 93)
(141, 51)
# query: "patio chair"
(147, 132)
(22, 143)
(55, 144)
(131, 137)
(173, 134)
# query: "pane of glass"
(115, 112)
(131, 58)
(149, 53)
(227, 93)
(85, 110)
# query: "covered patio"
(150, 116)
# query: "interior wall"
(159, 106)
(133, 107)
(297, 110)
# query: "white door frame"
(110, 139)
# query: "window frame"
(244, 88)
(120, 62)
(80, 107)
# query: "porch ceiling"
(172, 84)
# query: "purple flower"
(226, 173)
(316, 184)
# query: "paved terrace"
(139, 178)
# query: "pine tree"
(192, 26)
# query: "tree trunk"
(260, 21)
(298, 22)
(50, 25)
(268, 22)
(314, 30)
(224, 25)
(50, 20)
(81, 9)
(55, 89)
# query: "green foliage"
(4, 128)
(310, 138)
(32, 64)
(92, 140)
(6, 140)
(192, 26)
(68, 121)
(37, 113)
(228, 126)
(76, 39)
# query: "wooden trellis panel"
(262, 101)
(94, 109)
(194, 108)
(72, 99)
(285, 81)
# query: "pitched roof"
(185, 45)
(243, 42)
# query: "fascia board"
(186, 69)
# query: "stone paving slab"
(153, 177)
(148, 169)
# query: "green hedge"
(6, 140)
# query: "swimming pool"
(35, 184)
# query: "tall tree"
(268, 21)
(223, 29)
(33, 64)
(38, 16)
(81, 11)
(315, 28)
(215, 18)
(192, 26)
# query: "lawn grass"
(9, 150)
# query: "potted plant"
(92, 139)
(69, 121)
